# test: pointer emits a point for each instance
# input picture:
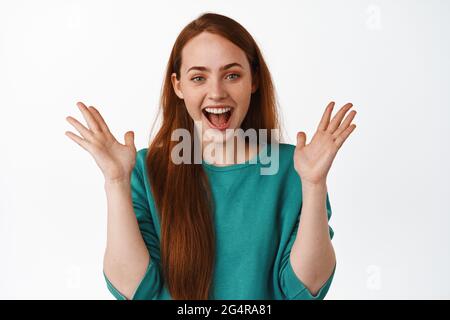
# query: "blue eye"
(234, 74)
(196, 78)
(231, 74)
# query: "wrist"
(123, 181)
(317, 186)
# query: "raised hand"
(313, 161)
(116, 160)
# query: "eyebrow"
(225, 67)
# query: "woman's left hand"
(313, 161)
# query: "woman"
(217, 228)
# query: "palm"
(115, 160)
(313, 161)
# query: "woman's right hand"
(116, 160)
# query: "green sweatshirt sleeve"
(292, 286)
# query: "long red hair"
(181, 191)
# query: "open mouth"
(218, 118)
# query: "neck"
(229, 153)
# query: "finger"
(345, 124)
(81, 142)
(98, 117)
(301, 139)
(344, 135)
(323, 124)
(129, 139)
(91, 122)
(85, 132)
(338, 118)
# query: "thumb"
(301, 139)
(129, 139)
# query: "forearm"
(126, 255)
(312, 255)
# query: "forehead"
(211, 51)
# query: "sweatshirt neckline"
(236, 166)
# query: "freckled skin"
(231, 87)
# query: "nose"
(217, 90)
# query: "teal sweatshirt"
(256, 219)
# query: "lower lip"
(221, 127)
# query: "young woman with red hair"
(217, 229)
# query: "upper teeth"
(217, 110)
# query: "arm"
(312, 255)
(126, 255)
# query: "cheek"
(242, 97)
(193, 103)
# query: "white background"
(388, 186)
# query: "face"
(215, 84)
